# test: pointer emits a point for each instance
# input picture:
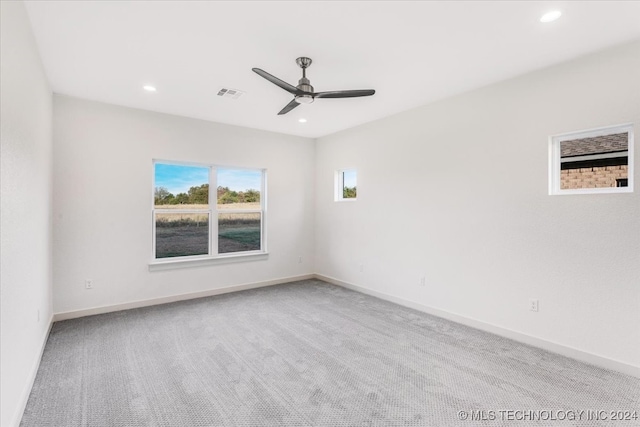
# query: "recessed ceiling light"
(149, 88)
(551, 16)
(302, 120)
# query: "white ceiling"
(411, 53)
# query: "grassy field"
(238, 232)
(184, 234)
(183, 238)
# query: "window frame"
(339, 185)
(212, 256)
(555, 162)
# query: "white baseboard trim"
(563, 350)
(174, 298)
(26, 392)
(553, 347)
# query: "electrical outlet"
(88, 284)
(533, 305)
(422, 281)
(361, 268)
(299, 260)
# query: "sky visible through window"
(179, 178)
(240, 179)
(349, 178)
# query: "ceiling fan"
(303, 93)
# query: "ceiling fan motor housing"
(305, 85)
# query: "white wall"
(103, 194)
(25, 266)
(458, 191)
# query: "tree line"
(349, 192)
(199, 195)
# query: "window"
(239, 210)
(188, 226)
(622, 182)
(593, 161)
(346, 184)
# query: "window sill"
(172, 264)
(601, 190)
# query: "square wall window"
(346, 184)
(592, 161)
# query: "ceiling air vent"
(230, 93)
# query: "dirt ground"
(182, 241)
(188, 240)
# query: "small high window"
(593, 161)
(346, 185)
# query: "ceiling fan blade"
(290, 106)
(344, 93)
(276, 81)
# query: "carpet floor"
(308, 354)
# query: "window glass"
(346, 184)
(181, 234)
(185, 224)
(592, 161)
(239, 232)
(349, 184)
(181, 186)
(239, 189)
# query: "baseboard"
(553, 347)
(563, 350)
(174, 298)
(26, 392)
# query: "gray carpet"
(305, 354)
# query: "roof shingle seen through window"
(595, 145)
